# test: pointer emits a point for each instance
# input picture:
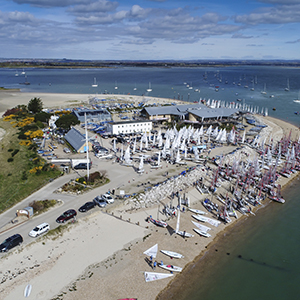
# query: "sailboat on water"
(264, 92)
(116, 86)
(298, 99)
(149, 89)
(135, 88)
(287, 85)
(95, 83)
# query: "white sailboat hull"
(172, 254)
(202, 233)
(170, 268)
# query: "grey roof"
(75, 138)
(214, 112)
(101, 114)
(178, 110)
(198, 109)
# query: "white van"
(40, 229)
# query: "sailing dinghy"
(172, 254)
(151, 276)
(202, 233)
(152, 251)
(158, 222)
(184, 234)
(170, 268)
(197, 211)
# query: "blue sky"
(150, 29)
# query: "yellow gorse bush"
(25, 143)
(25, 122)
(35, 169)
(8, 118)
(34, 134)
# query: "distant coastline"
(69, 63)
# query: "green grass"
(58, 231)
(14, 186)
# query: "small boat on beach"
(152, 251)
(151, 276)
(197, 211)
(202, 233)
(170, 268)
(158, 222)
(172, 254)
(184, 234)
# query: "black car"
(11, 242)
(67, 215)
(87, 206)
(82, 166)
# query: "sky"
(150, 29)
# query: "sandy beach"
(101, 255)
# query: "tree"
(42, 117)
(35, 105)
(66, 121)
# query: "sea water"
(220, 83)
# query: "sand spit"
(101, 256)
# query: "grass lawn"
(16, 183)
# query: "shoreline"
(114, 273)
(175, 286)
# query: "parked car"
(67, 215)
(87, 206)
(99, 201)
(67, 150)
(82, 166)
(40, 229)
(11, 242)
(108, 198)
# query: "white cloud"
(272, 15)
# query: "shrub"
(15, 152)
(10, 150)
(40, 124)
(24, 175)
(10, 159)
(94, 176)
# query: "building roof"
(75, 138)
(178, 110)
(208, 113)
(198, 109)
(91, 114)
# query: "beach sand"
(101, 256)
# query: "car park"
(11, 242)
(40, 229)
(87, 206)
(99, 201)
(66, 216)
(108, 198)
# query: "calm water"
(258, 259)
(169, 83)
